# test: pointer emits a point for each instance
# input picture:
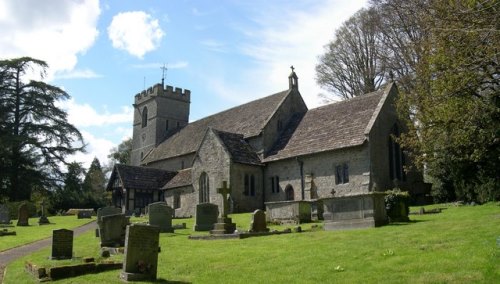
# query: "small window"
(178, 124)
(166, 125)
(272, 185)
(246, 188)
(182, 165)
(342, 174)
(177, 200)
(252, 185)
(277, 181)
(144, 117)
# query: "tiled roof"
(182, 178)
(140, 177)
(334, 126)
(240, 151)
(248, 119)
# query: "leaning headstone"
(112, 230)
(22, 219)
(84, 214)
(4, 215)
(141, 253)
(258, 223)
(206, 216)
(160, 214)
(105, 211)
(62, 244)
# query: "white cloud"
(214, 45)
(77, 74)
(84, 115)
(55, 32)
(96, 147)
(135, 32)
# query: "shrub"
(397, 205)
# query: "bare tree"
(352, 65)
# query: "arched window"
(252, 185)
(289, 192)
(144, 117)
(204, 188)
(396, 156)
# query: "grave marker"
(258, 223)
(22, 219)
(112, 230)
(4, 215)
(224, 224)
(62, 244)
(84, 214)
(141, 253)
(160, 214)
(105, 211)
(206, 216)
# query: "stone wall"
(319, 174)
(188, 201)
(174, 164)
(242, 202)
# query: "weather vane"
(164, 71)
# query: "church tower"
(158, 113)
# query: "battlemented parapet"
(168, 92)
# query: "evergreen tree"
(70, 195)
(94, 185)
(35, 136)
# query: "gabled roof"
(239, 150)
(182, 178)
(248, 119)
(330, 127)
(139, 177)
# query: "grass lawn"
(35, 232)
(459, 245)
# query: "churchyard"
(459, 245)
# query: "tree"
(456, 101)
(121, 154)
(94, 185)
(35, 135)
(352, 64)
(71, 194)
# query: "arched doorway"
(290, 195)
(204, 188)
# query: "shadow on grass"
(406, 223)
(161, 280)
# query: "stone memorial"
(112, 230)
(224, 224)
(105, 211)
(4, 215)
(160, 214)
(258, 224)
(23, 215)
(141, 253)
(62, 244)
(43, 219)
(84, 214)
(206, 216)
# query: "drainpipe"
(302, 184)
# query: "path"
(12, 254)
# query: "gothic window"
(144, 117)
(396, 156)
(289, 192)
(342, 173)
(177, 200)
(275, 184)
(204, 188)
(246, 187)
(252, 185)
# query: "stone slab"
(62, 244)
(206, 216)
(160, 214)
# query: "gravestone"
(22, 219)
(224, 224)
(141, 253)
(105, 211)
(160, 214)
(62, 244)
(258, 223)
(84, 214)
(112, 230)
(206, 216)
(43, 219)
(4, 215)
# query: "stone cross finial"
(224, 190)
(293, 68)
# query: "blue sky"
(103, 52)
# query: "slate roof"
(248, 119)
(140, 177)
(182, 178)
(240, 151)
(334, 126)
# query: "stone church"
(272, 152)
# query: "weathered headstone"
(4, 214)
(160, 214)
(224, 224)
(141, 253)
(22, 219)
(105, 211)
(84, 214)
(43, 219)
(206, 216)
(112, 230)
(62, 244)
(258, 223)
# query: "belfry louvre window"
(144, 117)
(342, 173)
